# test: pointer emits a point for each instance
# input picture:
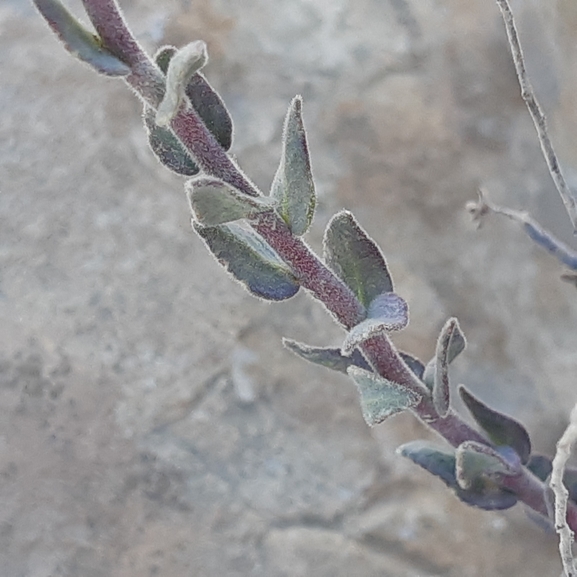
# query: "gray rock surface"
(151, 423)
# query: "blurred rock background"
(151, 423)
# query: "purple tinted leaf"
(484, 495)
(293, 187)
(247, 256)
(331, 358)
(355, 258)
(381, 398)
(211, 108)
(387, 312)
(166, 147)
(541, 466)
(79, 41)
(500, 428)
(214, 202)
(414, 364)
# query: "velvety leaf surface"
(293, 187)
(413, 363)
(456, 344)
(355, 258)
(449, 344)
(484, 495)
(166, 147)
(500, 428)
(182, 66)
(475, 460)
(214, 202)
(387, 312)
(331, 358)
(250, 260)
(79, 41)
(381, 398)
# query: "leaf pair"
(472, 471)
(204, 99)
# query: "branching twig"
(562, 455)
(528, 95)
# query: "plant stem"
(147, 80)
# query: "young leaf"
(250, 260)
(293, 187)
(484, 495)
(79, 41)
(449, 344)
(387, 312)
(327, 357)
(355, 258)
(381, 398)
(475, 460)
(204, 99)
(166, 147)
(214, 202)
(183, 65)
(500, 428)
(456, 345)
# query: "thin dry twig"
(561, 494)
(528, 95)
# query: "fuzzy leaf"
(484, 495)
(381, 398)
(183, 65)
(387, 312)
(327, 357)
(166, 147)
(449, 344)
(214, 202)
(475, 460)
(500, 428)
(79, 41)
(250, 260)
(355, 258)
(456, 345)
(293, 187)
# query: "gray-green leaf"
(247, 256)
(331, 358)
(501, 429)
(79, 41)
(166, 147)
(475, 460)
(293, 187)
(381, 398)
(387, 312)
(451, 338)
(214, 202)
(355, 258)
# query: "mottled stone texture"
(150, 422)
